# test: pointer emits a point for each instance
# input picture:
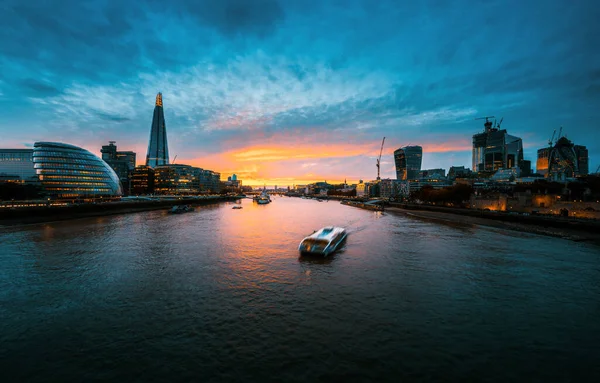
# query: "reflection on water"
(223, 295)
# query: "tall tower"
(158, 149)
(408, 162)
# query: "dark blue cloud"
(413, 71)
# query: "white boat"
(263, 198)
(323, 242)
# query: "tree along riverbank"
(569, 228)
(31, 215)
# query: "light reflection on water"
(222, 294)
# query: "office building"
(123, 163)
(158, 148)
(581, 153)
(563, 160)
(408, 162)
(458, 172)
(67, 171)
(496, 149)
(16, 165)
(142, 180)
(432, 173)
(185, 179)
(541, 166)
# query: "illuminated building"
(67, 171)
(142, 180)
(541, 166)
(495, 149)
(563, 160)
(185, 179)
(158, 149)
(432, 173)
(408, 162)
(16, 165)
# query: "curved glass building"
(67, 171)
(408, 162)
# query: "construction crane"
(488, 124)
(500, 123)
(174, 158)
(551, 141)
(485, 118)
(559, 134)
(379, 159)
(598, 170)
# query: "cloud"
(299, 78)
(38, 88)
(234, 17)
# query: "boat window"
(316, 244)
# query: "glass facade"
(495, 149)
(158, 148)
(123, 163)
(67, 171)
(16, 165)
(142, 180)
(408, 162)
(185, 179)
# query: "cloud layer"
(299, 90)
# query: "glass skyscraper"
(495, 149)
(158, 149)
(408, 162)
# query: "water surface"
(222, 295)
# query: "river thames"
(222, 295)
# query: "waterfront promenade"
(58, 211)
(222, 295)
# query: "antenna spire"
(159, 99)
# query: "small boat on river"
(323, 242)
(179, 209)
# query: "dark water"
(221, 295)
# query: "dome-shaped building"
(67, 171)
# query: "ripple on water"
(223, 295)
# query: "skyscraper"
(408, 162)
(495, 149)
(158, 149)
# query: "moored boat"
(178, 209)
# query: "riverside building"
(16, 165)
(158, 148)
(69, 172)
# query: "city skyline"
(287, 93)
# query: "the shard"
(158, 149)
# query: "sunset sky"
(293, 91)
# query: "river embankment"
(568, 228)
(32, 215)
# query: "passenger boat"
(263, 198)
(236, 207)
(323, 242)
